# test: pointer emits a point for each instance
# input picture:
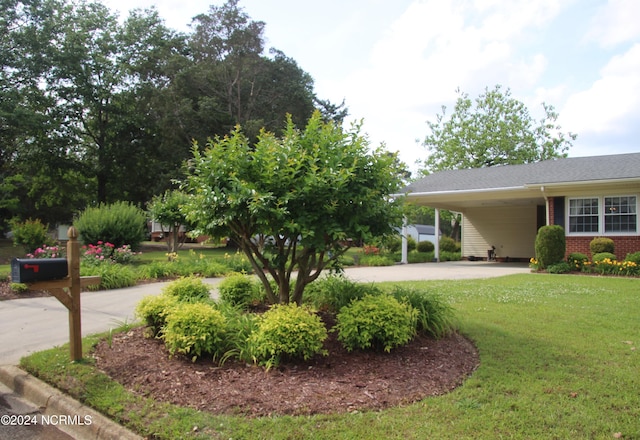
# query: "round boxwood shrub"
(118, 223)
(597, 258)
(378, 322)
(194, 329)
(425, 246)
(448, 244)
(237, 290)
(287, 332)
(634, 257)
(601, 244)
(188, 289)
(550, 245)
(577, 260)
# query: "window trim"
(601, 216)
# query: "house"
(504, 206)
(421, 233)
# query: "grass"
(558, 360)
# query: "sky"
(397, 62)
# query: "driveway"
(35, 324)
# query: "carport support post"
(73, 260)
(437, 233)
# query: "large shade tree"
(308, 192)
(494, 129)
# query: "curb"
(53, 402)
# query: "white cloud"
(611, 102)
(616, 22)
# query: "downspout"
(405, 243)
(546, 206)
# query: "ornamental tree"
(295, 201)
(166, 210)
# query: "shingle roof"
(566, 170)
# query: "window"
(600, 215)
(620, 214)
(583, 215)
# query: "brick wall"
(623, 244)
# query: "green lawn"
(558, 361)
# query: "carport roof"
(576, 170)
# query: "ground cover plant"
(558, 359)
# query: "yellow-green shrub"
(379, 322)
(194, 329)
(287, 331)
(153, 311)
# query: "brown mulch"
(7, 293)
(338, 383)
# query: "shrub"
(237, 290)
(599, 257)
(561, 267)
(240, 326)
(435, 316)
(112, 276)
(334, 292)
(577, 261)
(419, 257)
(379, 322)
(550, 245)
(376, 260)
(287, 332)
(18, 287)
(634, 257)
(601, 244)
(189, 289)
(194, 329)
(425, 246)
(448, 244)
(31, 234)
(153, 311)
(119, 223)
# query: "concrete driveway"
(29, 325)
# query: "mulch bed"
(338, 383)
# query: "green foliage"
(496, 129)
(18, 287)
(119, 223)
(601, 244)
(577, 260)
(112, 275)
(559, 268)
(426, 246)
(448, 244)
(166, 210)
(195, 329)
(376, 321)
(308, 190)
(190, 288)
(376, 260)
(240, 326)
(238, 290)
(435, 315)
(411, 244)
(153, 311)
(336, 291)
(419, 257)
(634, 257)
(287, 332)
(550, 245)
(31, 234)
(450, 256)
(601, 256)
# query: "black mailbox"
(27, 270)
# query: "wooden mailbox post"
(67, 291)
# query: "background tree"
(167, 210)
(495, 129)
(308, 192)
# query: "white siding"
(512, 230)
